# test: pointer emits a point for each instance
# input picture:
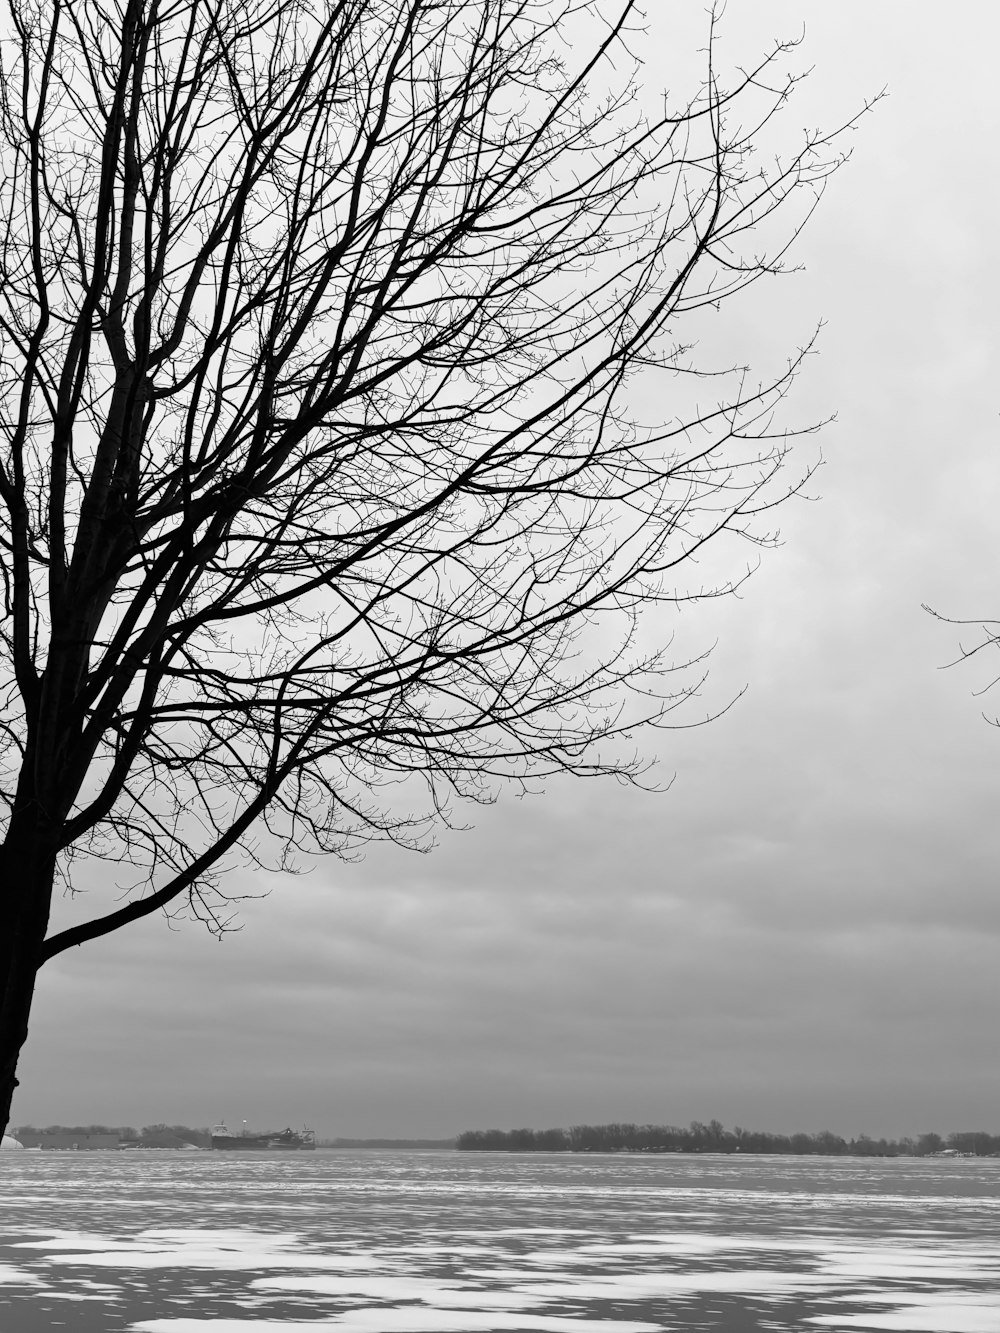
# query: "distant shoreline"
(616, 1137)
(177, 1136)
(715, 1138)
(442, 1145)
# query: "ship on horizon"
(279, 1140)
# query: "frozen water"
(456, 1243)
(402, 1321)
(929, 1313)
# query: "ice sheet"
(427, 1290)
(939, 1316)
(449, 1244)
(642, 1286)
(409, 1319)
(228, 1249)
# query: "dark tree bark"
(321, 467)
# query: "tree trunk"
(27, 869)
(19, 987)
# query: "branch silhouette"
(324, 487)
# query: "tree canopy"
(324, 478)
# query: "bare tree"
(322, 480)
(986, 640)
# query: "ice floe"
(12, 1276)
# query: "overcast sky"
(804, 932)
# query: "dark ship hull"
(286, 1140)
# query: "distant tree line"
(150, 1136)
(385, 1143)
(714, 1137)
